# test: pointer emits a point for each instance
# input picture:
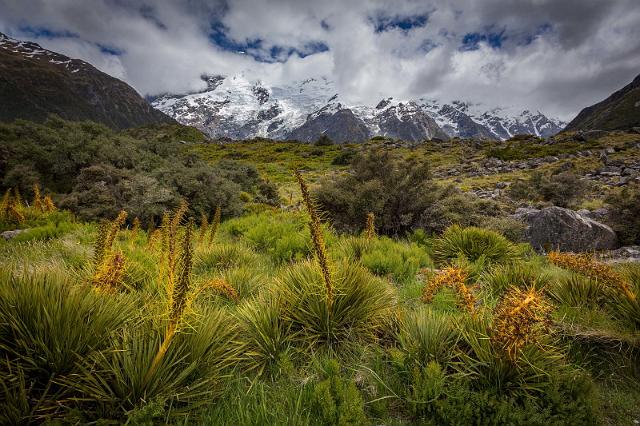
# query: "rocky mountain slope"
(35, 82)
(237, 108)
(619, 111)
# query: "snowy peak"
(237, 108)
(31, 50)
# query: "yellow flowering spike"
(371, 227)
(215, 224)
(453, 278)
(588, 266)
(520, 318)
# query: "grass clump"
(473, 244)
(357, 311)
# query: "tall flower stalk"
(215, 224)
(178, 298)
(319, 247)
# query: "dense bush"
(624, 214)
(401, 195)
(561, 188)
(96, 172)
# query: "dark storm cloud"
(552, 55)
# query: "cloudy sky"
(553, 55)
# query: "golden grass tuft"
(204, 226)
(109, 274)
(221, 287)
(215, 224)
(108, 267)
(48, 204)
(319, 247)
(588, 266)
(453, 278)
(37, 199)
(371, 226)
(520, 318)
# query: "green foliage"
(49, 322)
(395, 189)
(561, 188)
(265, 333)
(427, 386)
(427, 336)
(113, 384)
(337, 401)
(223, 256)
(577, 290)
(98, 172)
(283, 237)
(500, 278)
(386, 257)
(624, 214)
(473, 244)
(489, 369)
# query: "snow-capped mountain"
(238, 108)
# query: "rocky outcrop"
(336, 122)
(556, 228)
(407, 121)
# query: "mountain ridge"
(619, 111)
(36, 82)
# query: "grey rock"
(7, 235)
(564, 229)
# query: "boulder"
(7, 235)
(563, 229)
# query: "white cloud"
(584, 49)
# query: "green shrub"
(624, 214)
(386, 257)
(46, 232)
(282, 236)
(95, 172)
(473, 244)
(337, 401)
(561, 188)
(223, 256)
(395, 189)
(576, 290)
